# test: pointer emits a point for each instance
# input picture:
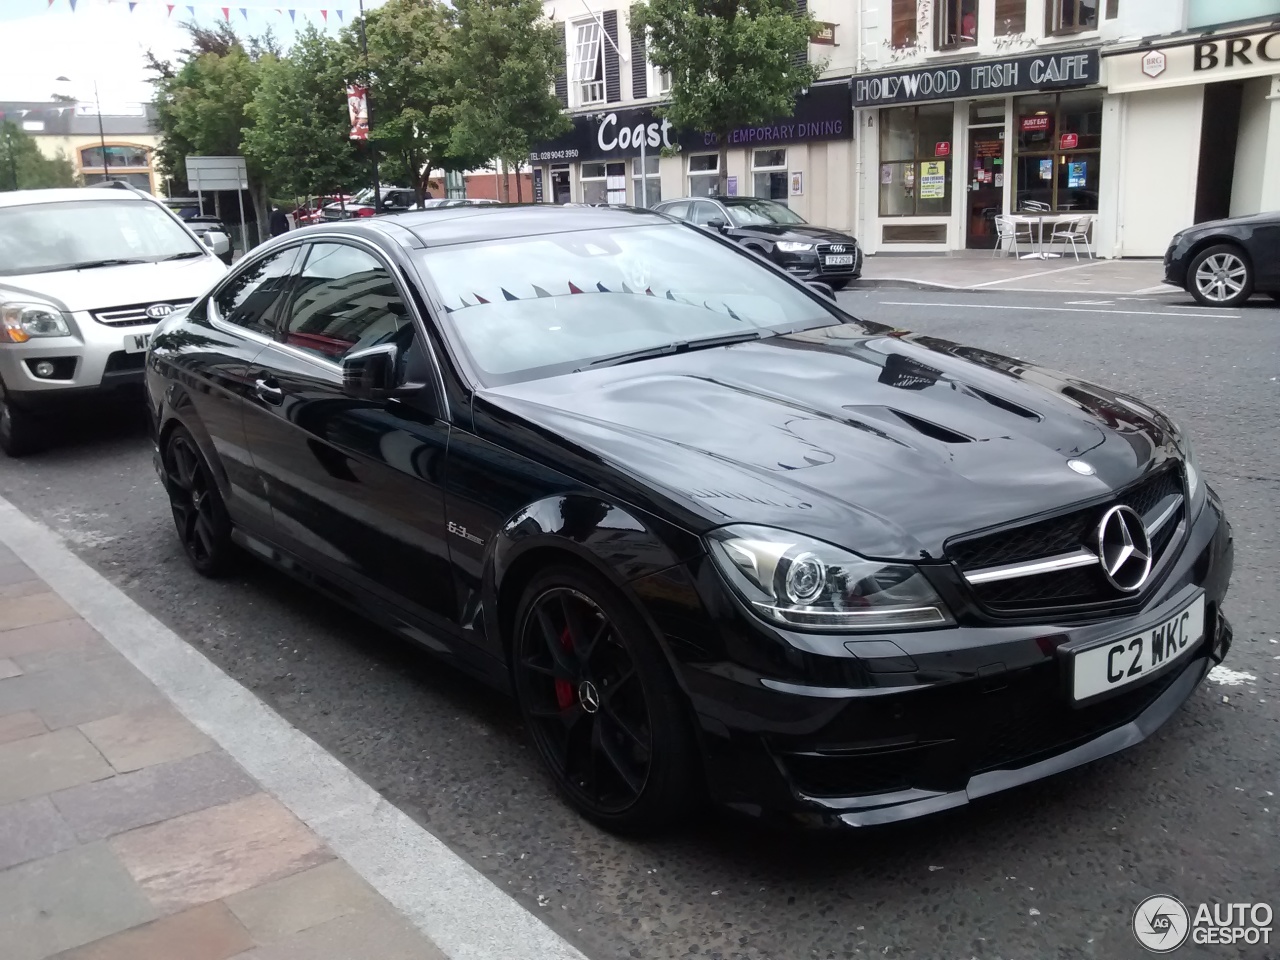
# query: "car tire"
(837, 285)
(20, 432)
(200, 516)
(601, 704)
(1220, 276)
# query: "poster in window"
(1076, 173)
(1046, 169)
(731, 184)
(797, 184)
(886, 173)
(999, 180)
(933, 180)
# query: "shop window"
(652, 182)
(1070, 16)
(140, 180)
(904, 23)
(1206, 13)
(588, 63)
(704, 175)
(1011, 17)
(604, 183)
(769, 174)
(914, 180)
(117, 156)
(1059, 147)
(956, 23)
(1113, 9)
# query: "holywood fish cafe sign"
(980, 78)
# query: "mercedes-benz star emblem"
(588, 696)
(158, 311)
(1124, 549)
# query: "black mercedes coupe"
(718, 537)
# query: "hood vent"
(932, 430)
(1003, 404)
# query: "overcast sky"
(103, 40)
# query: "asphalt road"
(1049, 871)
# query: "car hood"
(1252, 219)
(796, 231)
(882, 442)
(99, 287)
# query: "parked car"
(393, 200)
(715, 534)
(84, 276)
(313, 210)
(776, 232)
(214, 234)
(1224, 262)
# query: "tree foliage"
(299, 125)
(24, 167)
(504, 58)
(732, 62)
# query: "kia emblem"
(158, 311)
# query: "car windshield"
(753, 213)
(46, 237)
(530, 307)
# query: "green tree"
(300, 131)
(201, 104)
(732, 62)
(505, 57)
(24, 167)
(409, 78)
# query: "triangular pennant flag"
(480, 298)
(132, 4)
(73, 6)
(648, 292)
(226, 14)
(244, 12)
(448, 309)
(509, 296)
(51, 3)
(670, 295)
(191, 10)
(602, 288)
(339, 13)
(293, 16)
(625, 288)
(325, 14)
(572, 288)
(540, 292)
(171, 6)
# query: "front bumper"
(809, 266)
(900, 725)
(93, 359)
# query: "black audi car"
(1222, 263)
(777, 232)
(717, 536)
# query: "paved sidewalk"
(978, 270)
(128, 834)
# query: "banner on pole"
(358, 110)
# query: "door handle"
(267, 392)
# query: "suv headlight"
(19, 322)
(792, 246)
(796, 581)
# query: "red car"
(312, 210)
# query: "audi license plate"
(840, 260)
(136, 342)
(1134, 658)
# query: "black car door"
(356, 486)
(213, 349)
(1264, 249)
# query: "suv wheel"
(19, 429)
(1221, 276)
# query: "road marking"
(451, 902)
(1162, 288)
(993, 306)
(1096, 303)
(1027, 276)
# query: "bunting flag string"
(225, 12)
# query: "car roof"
(718, 199)
(442, 226)
(20, 198)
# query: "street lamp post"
(102, 136)
(368, 106)
(13, 160)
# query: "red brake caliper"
(564, 689)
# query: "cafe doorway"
(984, 187)
(560, 185)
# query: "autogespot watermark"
(1162, 924)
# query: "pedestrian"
(279, 222)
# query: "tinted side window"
(344, 300)
(678, 210)
(250, 297)
(704, 212)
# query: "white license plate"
(1136, 657)
(136, 342)
(840, 260)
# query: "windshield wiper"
(680, 346)
(180, 256)
(90, 264)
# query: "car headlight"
(19, 322)
(1195, 483)
(799, 582)
(792, 246)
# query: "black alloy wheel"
(198, 511)
(19, 430)
(837, 285)
(600, 703)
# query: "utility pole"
(13, 160)
(368, 106)
(102, 137)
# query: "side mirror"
(823, 288)
(374, 374)
(715, 223)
